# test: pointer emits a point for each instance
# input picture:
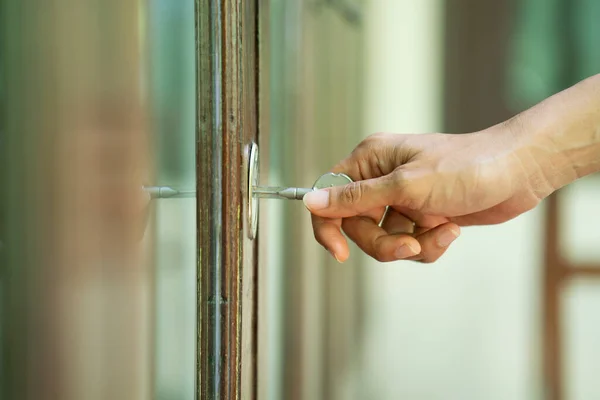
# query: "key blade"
(267, 192)
(278, 192)
(166, 192)
(294, 193)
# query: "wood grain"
(227, 123)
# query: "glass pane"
(581, 327)
(579, 221)
(308, 311)
(172, 76)
(76, 288)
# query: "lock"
(255, 192)
(253, 180)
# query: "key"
(166, 192)
(294, 193)
(330, 180)
(287, 193)
(262, 192)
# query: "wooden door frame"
(558, 270)
(557, 274)
(472, 102)
(227, 82)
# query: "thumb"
(355, 198)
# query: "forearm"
(563, 134)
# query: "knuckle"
(376, 136)
(318, 232)
(359, 153)
(430, 257)
(370, 140)
(379, 256)
(318, 237)
(321, 237)
(411, 203)
(377, 253)
(352, 193)
(399, 180)
(411, 195)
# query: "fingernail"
(404, 251)
(336, 257)
(446, 237)
(317, 200)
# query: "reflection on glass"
(171, 34)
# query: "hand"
(439, 182)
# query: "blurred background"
(493, 319)
(510, 312)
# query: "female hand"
(439, 182)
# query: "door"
(311, 116)
(76, 284)
(107, 294)
(279, 318)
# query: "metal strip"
(216, 207)
(209, 197)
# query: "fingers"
(436, 241)
(328, 234)
(433, 233)
(355, 198)
(394, 240)
(394, 222)
(376, 215)
(422, 221)
(376, 242)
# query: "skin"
(436, 183)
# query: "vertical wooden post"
(553, 274)
(227, 124)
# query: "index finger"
(328, 234)
(328, 231)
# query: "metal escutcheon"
(252, 203)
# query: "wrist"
(558, 140)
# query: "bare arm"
(441, 182)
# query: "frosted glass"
(581, 344)
(580, 219)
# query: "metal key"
(262, 192)
(294, 193)
(166, 192)
(330, 180)
(286, 193)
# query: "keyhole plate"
(252, 202)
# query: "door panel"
(172, 227)
(76, 290)
(310, 96)
(99, 300)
